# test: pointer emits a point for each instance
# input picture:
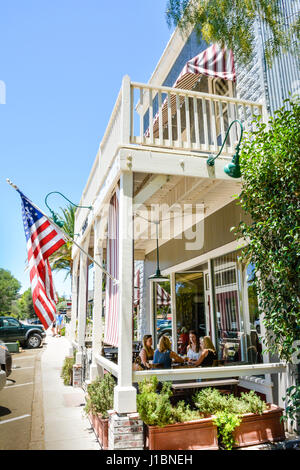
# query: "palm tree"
(61, 260)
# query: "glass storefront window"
(230, 334)
(190, 307)
(237, 328)
(162, 310)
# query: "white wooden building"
(154, 155)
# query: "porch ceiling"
(200, 196)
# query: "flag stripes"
(42, 241)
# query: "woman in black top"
(208, 355)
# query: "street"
(21, 404)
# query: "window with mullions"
(237, 321)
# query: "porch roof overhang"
(163, 164)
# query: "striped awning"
(163, 297)
(112, 290)
(214, 62)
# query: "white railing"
(169, 118)
(187, 120)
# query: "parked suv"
(12, 330)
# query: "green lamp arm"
(211, 160)
(54, 216)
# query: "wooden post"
(173, 310)
(126, 112)
(97, 370)
(125, 393)
(82, 301)
(74, 299)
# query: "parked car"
(33, 321)
(5, 359)
(12, 330)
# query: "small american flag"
(42, 241)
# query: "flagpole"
(65, 235)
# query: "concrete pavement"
(65, 425)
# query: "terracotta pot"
(192, 435)
(257, 429)
(100, 427)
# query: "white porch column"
(96, 370)
(74, 301)
(82, 301)
(125, 393)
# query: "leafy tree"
(270, 166)
(61, 260)
(230, 23)
(9, 288)
(25, 305)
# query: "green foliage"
(253, 403)
(183, 413)
(100, 396)
(61, 260)
(210, 401)
(227, 410)
(25, 306)
(270, 166)
(226, 423)
(67, 370)
(292, 409)
(155, 408)
(231, 24)
(9, 288)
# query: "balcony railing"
(187, 120)
(168, 118)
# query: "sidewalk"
(65, 425)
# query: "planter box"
(100, 427)
(12, 347)
(258, 429)
(193, 435)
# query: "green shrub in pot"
(100, 396)
(67, 370)
(155, 408)
(228, 410)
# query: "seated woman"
(193, 349)
(147, 352)
(208, 353)
(164, 355)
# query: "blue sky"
(62, 62)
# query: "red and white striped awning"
(163, 297)
(112, 290)
(214, 62)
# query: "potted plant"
(170, 427)
(243, 421)
(99, 400)
(67, 370)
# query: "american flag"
(42, 241)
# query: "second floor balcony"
(168, 120)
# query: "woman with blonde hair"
(209, 353)
(163, 355)
(147, 352)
